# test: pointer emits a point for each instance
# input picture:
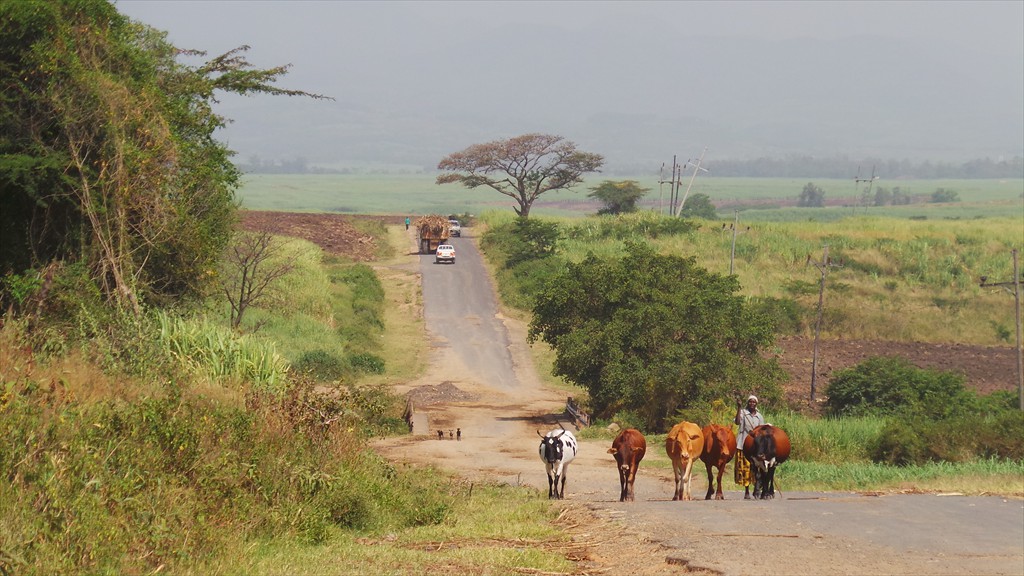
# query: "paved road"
(797, 533)
(836, 533)
(461, 310)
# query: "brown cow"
(628, 448)
(684, 444)
(765, 447)
(719, 448)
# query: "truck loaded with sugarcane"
(432, 230)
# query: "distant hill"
(859, 96)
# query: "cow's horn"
(560, 433)
(539, 434)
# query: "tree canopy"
(618, 197)
(812, 196)
(699, 206)
(521, 168)
(652, 334)
(107, 155)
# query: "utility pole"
(822, 267)
(674, 183)
(661, 189)
(1016, 299)
(735, 231)
(870, 181)
(696, 168)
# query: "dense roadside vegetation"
(880, 416)
(142, 430)
(173, 443)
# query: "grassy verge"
(490, 530)
(186, 463)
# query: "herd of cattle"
(764, 448)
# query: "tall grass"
(910, 280)
(830, 440)
(976, 477)
(214, 351)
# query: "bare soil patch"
(986, 369)
(334, 233)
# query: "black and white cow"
(557, 450)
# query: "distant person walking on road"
(406, 222)
(747, 419)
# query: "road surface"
(487, 386)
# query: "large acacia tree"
(521, 168)
(107, 154)
(653, 334)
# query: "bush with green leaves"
(523, 240)
(653, 334)
(890, 385)
(618, 197)
(960, 438)
(367, 363)
(320, 365)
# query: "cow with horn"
(557, 450)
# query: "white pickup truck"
(454, 228)
(445, 253)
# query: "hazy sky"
(442, 74)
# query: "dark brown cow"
(719, 449)
(628, 448)
(765, 448)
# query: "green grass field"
(418, 194)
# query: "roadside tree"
(653, 334)
(250, 266)
(618, 197)
(521, 168)
(108, 157)
(699, 206)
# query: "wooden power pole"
(822, 267)
(1016, 299)
(696, 168)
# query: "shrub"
(367, 363)
(892, 385)
(321, 365)
(533, 239)
(900, 445)
(525, 280)
(959, 438)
